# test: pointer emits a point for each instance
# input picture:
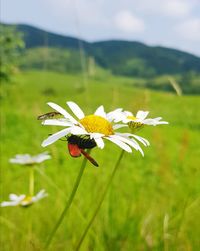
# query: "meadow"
(153, 203)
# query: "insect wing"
(48, 115)
(74, 150)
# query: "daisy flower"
(97, 127)
(138, 121)
(27, 159)
(23, 200)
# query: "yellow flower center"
(95, 123)
(26, 201)
(134, 125)
(131, 117)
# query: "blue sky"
(170, 23)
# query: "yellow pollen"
(26, 201)
(95, 123)
(131, 117)
(133, 124)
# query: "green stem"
(51, 182)
(31, 181)
(100, 202)
(68, 204)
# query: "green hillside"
(120, 57)
(153, 203)
(55, 59)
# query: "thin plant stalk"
(50, 181)
(31, 181)
(31, 193)
(100, 202)
(68, 204)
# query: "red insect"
(77, 144)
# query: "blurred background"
(139, 55)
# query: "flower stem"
(31, 181)
(100, 202)
(68, 204)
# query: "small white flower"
(23, 200)
(97, 126)
(27, 159)
(138, 121)
(141, 118)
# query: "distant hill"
(35, 37)
(120, 57)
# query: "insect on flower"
(48, 115)
(88, 131)
(77, 144)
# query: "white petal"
(39, 159)
(43, 154)
(141, 115)
(120, 118)
(118, 110)
(25, 159)
(23, 156)
(131, 142)
(139, 148)
(119, 143)
(13, 160)
(21, 159)
(158, 118)
(127, 113)
(96, 135)
(117, 126)
(141, 151)
(76, 130)
(100, 111)
(127, 141)
(51, 139)
(144, 141)
(150, 122)
(62, 111)
(76, 110)
(13, 197)
(56, 122)
(163, 123)
(14, 201)
(40, 195)
(99, 142)
(154, 122)
(8, 203)
(123, 134)
(116, 115)
(21, 197)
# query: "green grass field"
(153, 203)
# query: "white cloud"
(127, 22)
(189, 29)
(168, 8)
(176, 8)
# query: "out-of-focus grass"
(153, 203)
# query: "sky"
(169, 23)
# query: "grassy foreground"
(153, 203)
